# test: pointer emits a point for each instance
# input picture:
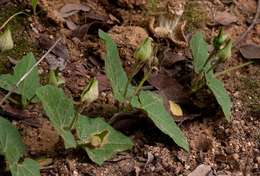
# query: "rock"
(201, 170)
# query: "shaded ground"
(229, 148)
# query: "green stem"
(233, 68)
(211, 55)
(10, 18)
(212, 67)
(76, 118)
(137, 67)
(198, 83)
(142, 81)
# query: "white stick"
(27, 73)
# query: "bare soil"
(229, 148)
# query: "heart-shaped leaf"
(153, 105)
(60, 111)
(28, 87)
(113, 141)
(11, 145)
(28, 168)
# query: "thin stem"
(142, 81)
(213, 66)
(233, 68)
(10, 18)
(28, 73)
(137, 67)
(211, 55)
(79, 111)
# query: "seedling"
(204, 65)
(94, 135)
(34, 5)
(126, 93)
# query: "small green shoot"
(204, 69)
(34, 5)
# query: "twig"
(255, 21)
(27, 73)
(233, 68)
(11, 17)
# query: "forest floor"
(224, 148)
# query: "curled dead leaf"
(71, 9)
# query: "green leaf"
(11, 145)
(60, 111)
(34, 5)
(199, 51)
(115, 141)
(28, 87)
(220, 94)
(153, 105)
(28, 168)
(114, 69)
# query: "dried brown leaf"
(225, 18)
(250, 51)
(71, 9)
(169, 87)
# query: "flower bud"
(220, 40)
(144, 51)
(6, 41)
(90, 93)
(99, 139)
(55, 79)
(225, 53)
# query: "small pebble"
(235, 156)
(258, 160)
